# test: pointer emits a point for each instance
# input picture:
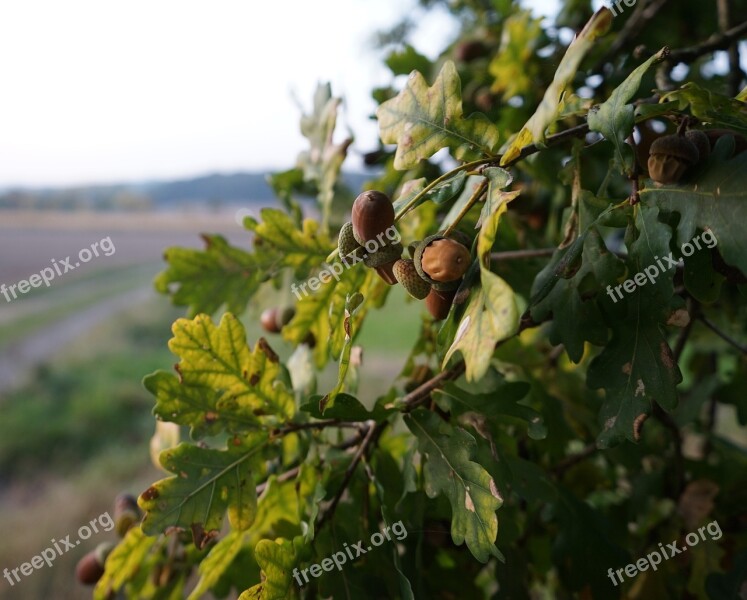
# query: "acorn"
(373, 214)
(701, 142)
(406, 273)
(670, 157)
(442, 261)
(439, 302)
(126, 513)
(90, 568)
(269, 320)
(346, 242)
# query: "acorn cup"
(670, 157)
(701, 142)
(406, 273)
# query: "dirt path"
(19, 358)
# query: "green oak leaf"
(277, 559)
(470, 489)
(421, 120)
(725, 586)
(637, 367)
(206, 484)
(320, 312)
(218, 561)
(583, 549)
(492, 314)
(282, 244)
(221, 384)
(205, 280)
(499, 403)
(546, 113)
(615, 118)
(346, 408)
(405, 60)
(709, 107)
(124, 562)
(576, 317)
(715, 201)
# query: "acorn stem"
(479, 191)
(419, 196)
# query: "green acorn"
(383, 255)
(346, 242)
(405, 272)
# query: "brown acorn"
(701, 142)
(90, 568)
(670, 157)
(445, 260)
(439, 302)
(269, 320)
(407, 275)
(126, 513)
(373, 214)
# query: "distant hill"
(212, 190)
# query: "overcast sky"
(98, 91)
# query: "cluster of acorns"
(672, 156)
(437, 264)
(127, 514)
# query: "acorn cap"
(701, 142)
(405, 272)
(677, 146)
(346, 242)
(372, 215)
(283, 316)
(383, 255)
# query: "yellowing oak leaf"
(421, 120)
(547, 111)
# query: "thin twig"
(719, 41)
(519, 254)
(735, 71)
(287, 476)
(643, 13)
(374, 431)
(724, 336)
(476, 195)
(573, 459)
(293, 427)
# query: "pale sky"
(105, 91)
